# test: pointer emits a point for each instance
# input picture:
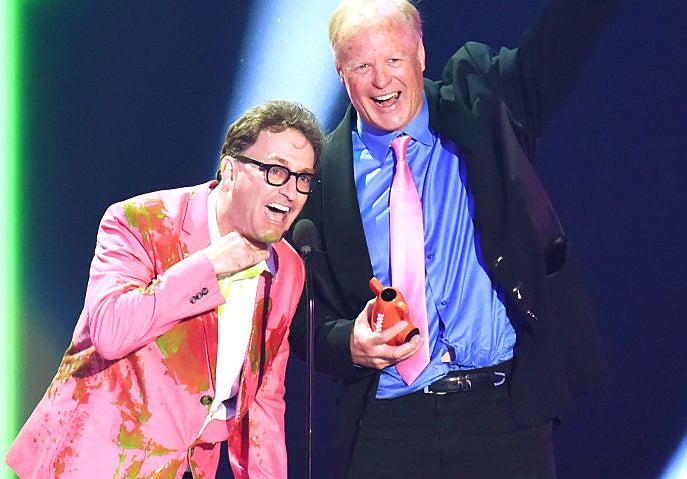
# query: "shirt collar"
(266, 265)
(377, 141)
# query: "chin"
(271, 237)
(389, 124)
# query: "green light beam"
(9, 225)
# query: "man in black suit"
(510, 335)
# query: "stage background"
(121, 98)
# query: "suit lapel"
(195, 233)
(344, 237)
(261, 350)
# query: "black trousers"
(223, 468)
(463, 435)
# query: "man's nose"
(381, 77)
(288, 189)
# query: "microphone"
(305, 237)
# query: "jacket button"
(206, 400)
(193, 300)
(517, 293)
(497, 262)
(204, 291)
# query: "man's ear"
(421, 54)
(227, 167)
(339, 71)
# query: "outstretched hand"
(369, 348)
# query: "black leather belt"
(471, 379)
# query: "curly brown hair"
(275, 116)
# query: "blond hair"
(351, 15)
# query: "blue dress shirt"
(466, 315)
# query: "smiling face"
(382, 68)
(250, 206)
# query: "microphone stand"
(310, 358)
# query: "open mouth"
(278, 208)
(387, 99)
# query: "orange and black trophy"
(390, 308)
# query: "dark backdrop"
(121, 98)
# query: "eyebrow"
(282, 162)
(277, 159)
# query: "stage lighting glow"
(677, 468)
(9, 224)
(286, 54)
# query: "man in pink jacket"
(182, 342)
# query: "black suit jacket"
(493, 106)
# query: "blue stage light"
(286, 54)
(677, 468)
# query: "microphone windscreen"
(305, 236)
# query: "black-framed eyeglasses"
(278, 175)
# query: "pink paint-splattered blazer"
(134, 387)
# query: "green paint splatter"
(130, 439)
(170, 342)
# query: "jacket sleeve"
(130, 301)
(536, 77)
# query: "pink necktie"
(407, 240)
